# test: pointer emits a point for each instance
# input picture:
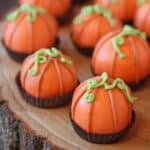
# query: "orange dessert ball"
(121, 9)
(48, 78)
(101, 110)
(123, 53)
(142, 19)
(55, 7)
(28, 29)
(93, 22)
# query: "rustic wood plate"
(54, 124)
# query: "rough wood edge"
(26, 133)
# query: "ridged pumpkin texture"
(142, 18)
(109, 113)
(54, 7)
(121, 9)
(27, 37)
(91, 29)
(133, 68)
(54, 78)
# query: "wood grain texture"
(53, 124)
(15, 136)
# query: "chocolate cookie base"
(19, 57)
(66, 19)
(130, 22)
(44, 103)
(133, 86)
(79, 1)
(148, 39)
(101, 139)
(63, 20)
(85, 51)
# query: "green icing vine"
(40, 58)
(114, 1)
(88, 10)
(119, 39)
(78, 20)
(141, 2)
(31, 10)
(117, 83)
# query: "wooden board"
(54, 124)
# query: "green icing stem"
(78, 20)
(88, 10)
(40, 58)
(141, 2)
(31, 11)
(114, 1)
(117, 83)
(119, 39)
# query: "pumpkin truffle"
(121, 9)
(48, 78)
(101, 110)
(123, 53)
(142, 20)
(93, 22)
(55, 7)
(28, 29)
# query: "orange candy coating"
(133, 68)
(55, 7)
(54, 78)
(92, 28)
(122, 9)
(142, 18)
(109, 113)
(25, 37)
